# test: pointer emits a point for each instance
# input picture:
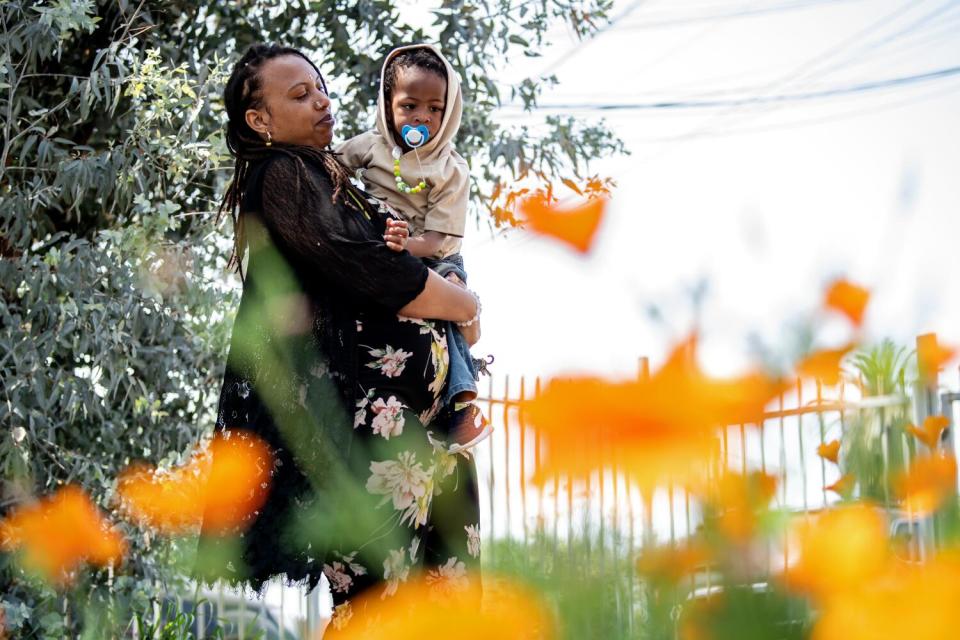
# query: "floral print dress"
(427, 514)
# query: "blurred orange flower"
(418, 611)
(672, 563)
(823, 365)
(849, 299)
(738, 500)
(929, 434)
(219, 488)
(575, 227)
(927, 483)
(839, 550)
(829, 450)
(843, 486)
(906, 601)
(932, 356)
(663, 428)
(59, 532)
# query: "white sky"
(766, 203)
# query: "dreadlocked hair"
(243, 92)
(420, 58)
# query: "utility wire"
(747, 12)
(580, 46)
(713, 104)
(804, 73)
(732, 114)
(943, 28)
(939, 92)
(911, 28)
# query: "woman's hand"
(471, 333)
(397, 234)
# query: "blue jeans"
(462, 375)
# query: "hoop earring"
(269, 139)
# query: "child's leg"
(461, 380)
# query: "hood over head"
(452, 112)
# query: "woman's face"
(294, 109)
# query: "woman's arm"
(442, 300)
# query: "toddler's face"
(419, 97)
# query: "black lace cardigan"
(291, 373)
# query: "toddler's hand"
(455, 279)
(397, 234)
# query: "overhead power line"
(745, 12)
(795, 97)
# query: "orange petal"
(844, 486)
(839, 551)
(238, 482)
(829, 450)
(933, 426)
(823, 365)
(849, 299)
(932, 356)
(576, 227)
(59, 532)
(659, 429)
(927, 483)
(220, 488)
(738, 500)
(673, 563)
(444, 606)
(916, 601)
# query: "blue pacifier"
(415, 136)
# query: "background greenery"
(115, 306)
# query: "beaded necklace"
(415, 137)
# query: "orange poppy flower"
(420, 609)
(59, 532)
(829, 450)
(672, 564)
(905, 601)
(220, 487)
(927, 483)
(839, 550)
(849, 299)
(929, 434)
(660, 429)
(738, 500)
(823, 365)
(844, 486)
(576, 227)
(932, 356)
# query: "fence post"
(313, 608)
(925, 404)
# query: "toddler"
(408, 163)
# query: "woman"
(333, 361)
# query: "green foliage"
(592, 589)
(114, 309)
(876, 443)
(596, 592)
(746, 612)
(171, 623)
(882, 368)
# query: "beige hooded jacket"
(442, 206)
